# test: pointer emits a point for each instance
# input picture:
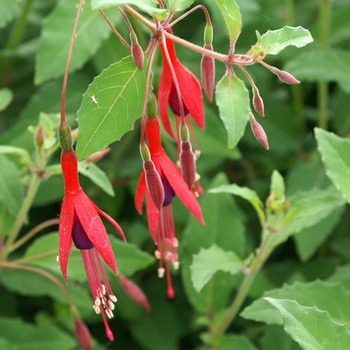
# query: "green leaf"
(310, 239)
(232, 98)
(130, 258)
(17, 151)
(277, 185)
(274, 337)
(232, 16)
(243, 192)
(8, 10)
(11, 188)
(306, 210)
(316, 293)
(97, 176)
(180, 4)
(6, 220)
(312, 328)
(318, 65)
(6, 97)
(149, 6)
(208, 261)
(273, 42)
(119, 92)
(334, 152)
(56, 36)
(229, 342)
(33, 337)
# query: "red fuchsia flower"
(190, 89)
(161, 222)
(81, 224)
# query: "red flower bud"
(208, 74)
(258, 103)
(95, 157)
(187, 163)
(83, 334)
(259, 132)
(287, 77)
(137, 55)
(134, 292)
(39, 137)
(154, 183)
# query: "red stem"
(189, 12)
(65, 78)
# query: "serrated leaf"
(243, 192)
(149, 6)
(11, 188)
(312, 328)
(318, 65)
(129, 257)
(274, 41)
(274, 337)
(334, 152)
(56, 36)
(34, 337)
(97, 176)
(277, 185)
(232, 98)
(316, 293)
(208, 261)
(8, 10)
(6, 96)
(110, 107)
(306, 210)
(232, 16)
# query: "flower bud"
(82, 333)
(208, 74)
(136, 51)
(134, 292)
(95, 157)
(151, 110)
(287, 77)
(154, 183)
(65, 136)
(258, 103)
(258, 131)
(208, 34)
(146, 156)
(187, 163)
(39, 137)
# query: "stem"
(33, 232)
(32, 190)
(191, 11)
(13, 41)
(65, 78)
(254, 268)
(322, 89)
(115, 31)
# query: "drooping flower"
(190, 88)
(161, 222)
(80, 223)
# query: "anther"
(161, 272)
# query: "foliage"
(269, 269)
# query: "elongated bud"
(134, 292)
(187, 158)
(208, 74)
(258, 131)
(82, 333)
(39, 137)
(258, 102)
(145, 155)
(65, 136)
(151, 111)
(208, 35)
(136, 51)
(287, 77)
(154, 184)
(95, 157)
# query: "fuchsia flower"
(161, 222)
(191, 91)
(81, 224)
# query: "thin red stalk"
(126, 20)
(148, 79)
(160, 2)
(191, 11)
(173, 75)
(248, 76)
(65, 78)
(115, 31)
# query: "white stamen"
(111, 305)
(178, 164)
(197, 177)
(176, 265)
(113, 298)
(57, 258)
(197, 153)
(97, 309)
(109, 313)
(103, 289)
(174, 242)
(157, 254)
(161, 272)
(196, 194)
(168, 255)
(97, 301)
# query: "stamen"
(109, 313)
(97, 309)
(174, 242)
(97, 301)
(111, 305)
(157, 254)
(161, 272)
(57, 258)
(176, 265)
(113, 298)
(103, 289)
(197, 177)
(168, 255)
